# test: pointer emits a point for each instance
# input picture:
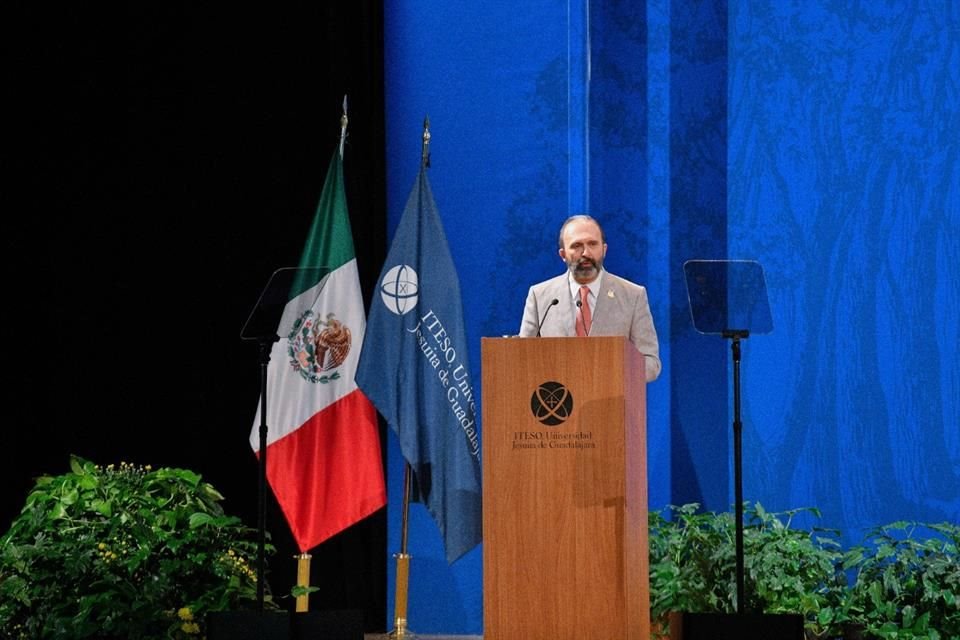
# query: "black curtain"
(160, 164)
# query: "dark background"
(160, 164)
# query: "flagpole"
(400, 631)
(303, 559)
(265, 347)
(425, 149)
(343, 126)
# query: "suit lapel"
(563, 322)
(606, 303)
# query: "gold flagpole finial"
(425, 152)
(343, 125)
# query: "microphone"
(552, 304)
(580, 311)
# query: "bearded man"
(590, 300)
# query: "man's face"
(583, 250)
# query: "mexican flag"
(323, 447)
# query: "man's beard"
(585, 267)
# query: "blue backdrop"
(819, 139)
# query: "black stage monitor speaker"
(248, 625)
(268, 625)
(346, 624)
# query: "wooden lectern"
(564, 489)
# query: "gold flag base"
(303, 580)
(400, 632)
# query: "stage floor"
(419, 636)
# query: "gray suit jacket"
(622, 309)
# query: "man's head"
(582, 247)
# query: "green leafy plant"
(907, 582)
(692, 561)
(123, 552)
(786, 569)
(793, 570)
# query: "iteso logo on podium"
(551, 403)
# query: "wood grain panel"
(565, 505)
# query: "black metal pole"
(265, 348)
(738, 467)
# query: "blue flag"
(413, 367)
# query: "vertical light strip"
(658, 132)
(659, 258)
(578, 106)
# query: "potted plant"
(123, 552)
(691, 562)
(907, 582)
(787, 570)
(793, 570)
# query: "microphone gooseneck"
(552, 304)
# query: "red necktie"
(583, 317)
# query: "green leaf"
(200, 519)
(103, 507)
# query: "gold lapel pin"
(609, 293)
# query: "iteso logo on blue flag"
(399, 288)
